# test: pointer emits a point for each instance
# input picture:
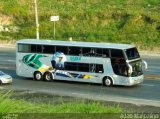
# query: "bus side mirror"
(145, 64)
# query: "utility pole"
(36, 17)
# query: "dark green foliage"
(125, 21)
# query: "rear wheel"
(107, 81)
(38, 75)
(48, 76)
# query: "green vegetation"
(20, 106)
(21, 109)
(125, 21)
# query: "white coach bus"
(106, 63)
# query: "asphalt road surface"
(146, 93)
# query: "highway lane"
(153, 62)
(146, 93)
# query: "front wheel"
(107, 81)
(38, 75)
(48, 76)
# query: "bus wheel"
(38, 75)
(48, 76)
(107, 81)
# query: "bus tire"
(38, 76)
(48, 76)
(107, 81)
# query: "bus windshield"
(132, 53)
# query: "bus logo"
(75, 58)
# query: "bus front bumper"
(135, 80)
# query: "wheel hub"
(38, 76)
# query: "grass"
(10, 105)
(21, 109)
(87, 20)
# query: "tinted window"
(24, 48)
(71, 66)
(75, 50)
(117, 53)
(132, 53)
(33, 48)
(49, 49)
(99, 68)
(96, 68)
(84, 67)
(86, 51)
(63, 49)
(36, 48)
(39, 49)
(98, 52)
(105, 52)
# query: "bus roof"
(76, 43)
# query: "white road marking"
(7, 60)
(2, 67)
(11, 60)
(147, 84)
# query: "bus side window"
(105, 52)
(39, 48)
(75, 51)
(33, 48)
(117, 53)
(83, 67)
(98, 52)
(24, 48)
(86, 51)
(36, 48)
(71, 66)
(63, 49)
(48, 49)
(92, 68)
(96, 68)
(99, 68)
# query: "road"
(143, 94)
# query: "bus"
(105, 63)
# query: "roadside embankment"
(37, 100)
